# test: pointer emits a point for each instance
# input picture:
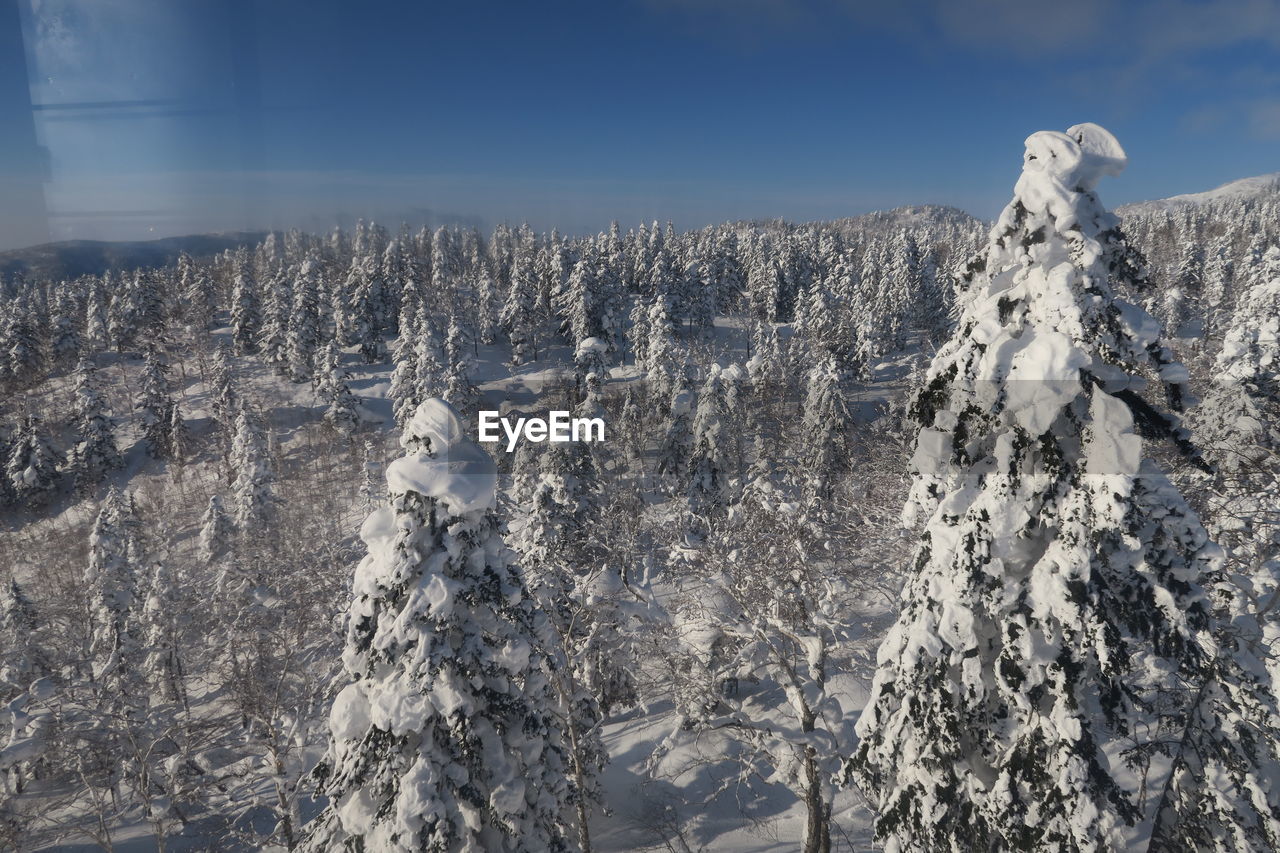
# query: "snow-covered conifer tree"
(638, 333)
(159, 622)
(448, 735)
(1056, 600)
(660, 353)
(488, 303)
(246, 309)
(21, 358)
(64, 329)
(458, 390)
(764, 281)
(1189, 276)
(33, 464)
(198, 296)
(179, 438)
(116, 555)
(404, 376)
(519, 315)
(304, 332)
(95, 453)
(95, 324)
(368, 306)
(332, 389)
(224, 396)
(825, 430)
(254, 501)
(708, 464)
(24, 660)
(216, 530)
(372, 487)
(273, 340)
(580, 305)
(673, 451)
(156, 405)
(430, 365)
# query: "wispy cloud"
(1264, 119)
(1135, 35)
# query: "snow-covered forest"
(265, 590)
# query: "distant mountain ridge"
(93, 257)
(1238, 190)
(74, 258)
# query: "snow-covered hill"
(1239, 190)
(909, 216)
(94, 257)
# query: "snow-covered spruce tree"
(368, 304)
(458, 390)
(116, 555)
(580, 304)
(589, 360)
(8, 434)
(332, 389)
(246, 310)
(65, 340)
(456, 351)
(179, 439)
(254, 501)
(32, 466)
(1173, 309)
(638, 333)
(304, 332)
(95, 314)
(21, 358)
(660, 352)
(198, 297)
(677, 439)
(95, 453)
(216, 531)
(146, 300)
(519, 314)
(156, 405)
(709, 464)
(372, 487)
(1219, 271)
(447, 737)
(1053, 635)
(121, 315)
(396, 265)
(430, 366)
(1189, 276)
(273, 339)
(404, 378)
(24, 660)
(160, 622)
(825, 431)
(488, 303)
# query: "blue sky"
(158, 117)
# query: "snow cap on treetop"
(437, 422)
(442, 463)
(1078, 158)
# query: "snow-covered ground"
(687, 800)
